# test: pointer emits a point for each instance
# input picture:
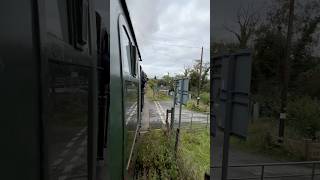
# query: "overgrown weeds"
(155, 159)
(194, 153)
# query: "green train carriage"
(71, 89)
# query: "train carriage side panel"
(19, 91)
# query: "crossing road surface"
(157, 114)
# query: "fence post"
(172, 119)
(207, 120)
(177, 141)
(191, 120)
(262, 172)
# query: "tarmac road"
(157, 114)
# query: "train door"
(70, 90)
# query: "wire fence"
(192, 120)
(262, 171)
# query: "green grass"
(155, 157)
(194, 153)
(157, 96)
(262, 140)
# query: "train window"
(125, 50)
(68, 122)
(57, 19)
(133, 61)
(68, 21)
(81, 21)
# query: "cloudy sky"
(170, 33)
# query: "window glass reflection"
(67, 123)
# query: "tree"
(168, 81)
(247, 20)
(193, 74)
(306, 27)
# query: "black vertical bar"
(191, 120)
(212, 117)
(228, 117)
(262, 172)
(285, 74)
(174, 105)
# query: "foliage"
(153, 83)
(194, 153)
(223, 47)
(306, 22)
(262, 140)
(155, 158)
(156, 96)
(247, 20)
(168, 81)
(269, 48)
(192, 105)
(193, 74)
(205, 98)
(304, 115)
(309, 82)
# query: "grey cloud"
(170, 33)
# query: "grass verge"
(155, 158)
(262, 140)
(157, 96)
(194, 153)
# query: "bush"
(192, 105)
(262, 139)
(205, 98)
(304, 116)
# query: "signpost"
(230, 88)
(182, 98)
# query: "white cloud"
(170, 33)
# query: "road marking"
(80, 150)
(64, 152)
(57, 162)
(132, 112)
(163, 111)
(132, 107)
(74, 159)
(159, 112)
(83, 130)
(75, 138)
(69, 144)
(84, 142)
(68, 168)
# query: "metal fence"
(193, 120)
(312, 174)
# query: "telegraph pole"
(285, 74)
(199, 83)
